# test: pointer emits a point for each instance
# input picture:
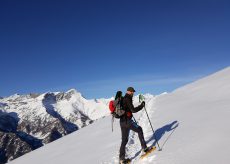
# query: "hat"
(131, 89)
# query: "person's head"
(118, 95)
(130, 91)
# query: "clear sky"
(99, 47)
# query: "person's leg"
(136, 128)
(125, 137)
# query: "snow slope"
(27, 122)
(191, 124)
(203, 111)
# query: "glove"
(143, 103)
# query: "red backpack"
(115, 107)
(111, 106)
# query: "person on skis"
(127, 124)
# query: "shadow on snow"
(159, 133)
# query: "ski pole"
(141, 98)
(135, 120)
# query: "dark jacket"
(129, 108)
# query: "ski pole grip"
(141, 98)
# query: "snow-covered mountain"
(28, 122)
(191, 125)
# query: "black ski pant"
(126, 126)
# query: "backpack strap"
(112, 121)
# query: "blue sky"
(99, 47)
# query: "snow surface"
(191, 123)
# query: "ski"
(148, 152)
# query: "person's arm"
(131, 107)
